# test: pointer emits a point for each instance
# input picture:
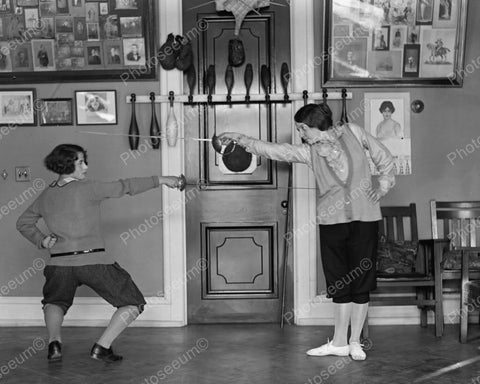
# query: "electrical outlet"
(22, 173)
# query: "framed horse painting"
(408, 42)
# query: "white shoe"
(329, 349)
(356, 351)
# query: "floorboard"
(254, 353)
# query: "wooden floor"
(255, 353)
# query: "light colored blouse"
(343, 178)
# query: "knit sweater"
(338, 200)
(72, 213)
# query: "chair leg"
(438, 249)
(423, 310)
(464, 293)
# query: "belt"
(78, 252)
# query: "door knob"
(284, 204)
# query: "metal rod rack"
(277, 98)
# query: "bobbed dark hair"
(315, 116)
(62, 159)
(385, 105)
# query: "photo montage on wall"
(384, 42)
(75, 40)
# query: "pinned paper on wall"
(387, 117)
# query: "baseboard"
(322, 314)
(85, 312)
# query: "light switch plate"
(22, 173)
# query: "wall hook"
(305, 97)
(324, 95)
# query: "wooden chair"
(400, 224)
(456, 229)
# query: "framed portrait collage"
(400, 42)
(72, 40)
(20, 107)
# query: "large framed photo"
(96, 107)
(378, 34)
(56, 112)
(17, 107)
(71, 40)
(387, 117)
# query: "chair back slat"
(400, 231)
(399, 223)
(460, 221)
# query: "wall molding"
(85, 312)
(95, 312)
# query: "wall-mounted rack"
(277, 98)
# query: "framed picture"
(387, 117)
(445, 13)
(424, 12)
(398, 37)
(17, 107)
(6, 6)
(22, 57)
(124, 4)
(62, 6)
(385, 43)
(131, 26)
(350, 59)
(385, 64)
(5, 57)
(60, 31)
(56, 111)
(96, 107)
(411, 60)
(27, 3)
(113, 51)
(437, 52)
(134, 52)
(381, 38)
(94, 52)
(43, 57)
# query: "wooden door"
(235, 220)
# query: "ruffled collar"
(327, 145)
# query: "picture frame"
(381, 38)
(445, 13)
(351, 58)
(96, 107)
(17, 107)
(403, 25)
(411, 60)
(424, 12)
(64, 24)
(387, 118)
(56, 112)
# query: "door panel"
(241, 261)
(235, 223)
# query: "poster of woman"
(387, 117)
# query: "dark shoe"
(103, 354)
(54, 351)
